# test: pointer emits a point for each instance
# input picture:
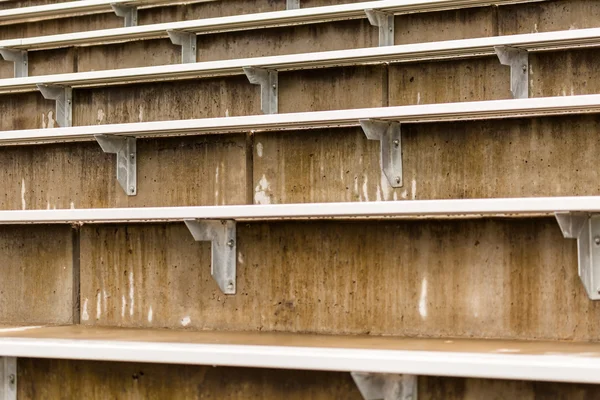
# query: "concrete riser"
(486, 278)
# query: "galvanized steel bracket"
(518, 61)
(386, 386)
(130, 13)
(19, 58)
(586, 229)
(187, 41)
(63, 96)
(8, 377)
(385, 22)
(390, 138)
(222, 235)
(292, 4)
(268, 81)
(125, 149)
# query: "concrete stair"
(489, 285)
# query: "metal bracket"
(385, 22)
(518, 61)
(222, 235)
(19, 58)
(292, 4)
(128, 12)
(586, 229)
(187, 41)
(63, 95)
(269, 87)
(125, 149)
(390, 138)
(8, 378)
(386, 386)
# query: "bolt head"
(12, 378)
(230, 243)
(597, 240)
(398, 180)
(396, 143)
(230, 285)
(131, 189)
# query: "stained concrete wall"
(201, 170)
(37, 282)
(484, 278)
(411, 28)
(46, 379)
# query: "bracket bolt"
(524, 68)
(597, 240)
(12, 378)
(132, 156)
(397, 179)
(131, 189)
(230, 285)
(396, 143)
(274, 86)
(230, 243)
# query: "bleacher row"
(381, 367)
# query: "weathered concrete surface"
(411, 28)
(318, 166)
(141, 53)
(287, 40)
(551, 74)
(36, 283)
(44, 63)
(435, 388)
(61, 25)
(210, 9)
(53, 379)
(512, 158)
(26, 111)
(548, 16)
(561, 73)
(204, 170)
(474, 278)
(564, 73)
(202, 98)
(26, 3)
(329, 89)
(254, 43)
(146, 16)
(40, 378)
(448, 81)
(154, 15)
(444, 25)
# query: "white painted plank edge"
(533, 206)
(374, 55)
(494, 109)
(243, 22)
(73, 8)
(557, 368)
